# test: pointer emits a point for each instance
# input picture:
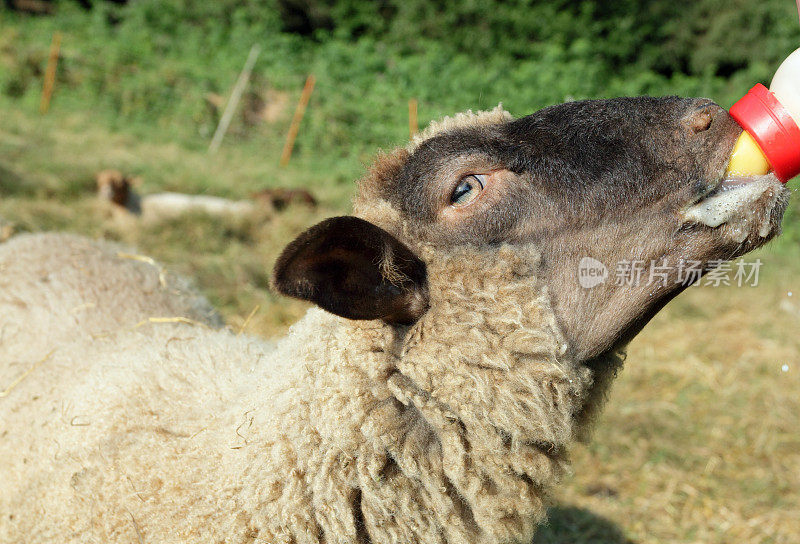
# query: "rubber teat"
(747, 159)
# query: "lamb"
(118, 192)
(433, 394)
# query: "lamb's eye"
(468, 188)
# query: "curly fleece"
(128, 416)
(131, 429)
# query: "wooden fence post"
(233, 101)
(413, 126)
(296, 119)
(50, 73)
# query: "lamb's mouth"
(751, 205)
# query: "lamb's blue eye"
(468, 188)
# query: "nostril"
(701, 118)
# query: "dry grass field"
(699, 443)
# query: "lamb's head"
(115, 187)
(632, 183)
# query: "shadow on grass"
(71, 184)
(572, 525)
(12, 184)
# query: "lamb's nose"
(701, 116)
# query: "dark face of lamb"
(623, 198)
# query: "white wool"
(466, 119)
(160, 206)
(119, 427)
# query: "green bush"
(151, 63)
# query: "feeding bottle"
(771, 122)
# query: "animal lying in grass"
(435, 394)
(118, 191)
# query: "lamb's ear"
(354, 269)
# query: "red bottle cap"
(771, 125)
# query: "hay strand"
(247, 320)
(162, 275)
(4, 393)
(179, 319)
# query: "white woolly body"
(161, 206)
(115, 427)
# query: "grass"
(700, 442)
